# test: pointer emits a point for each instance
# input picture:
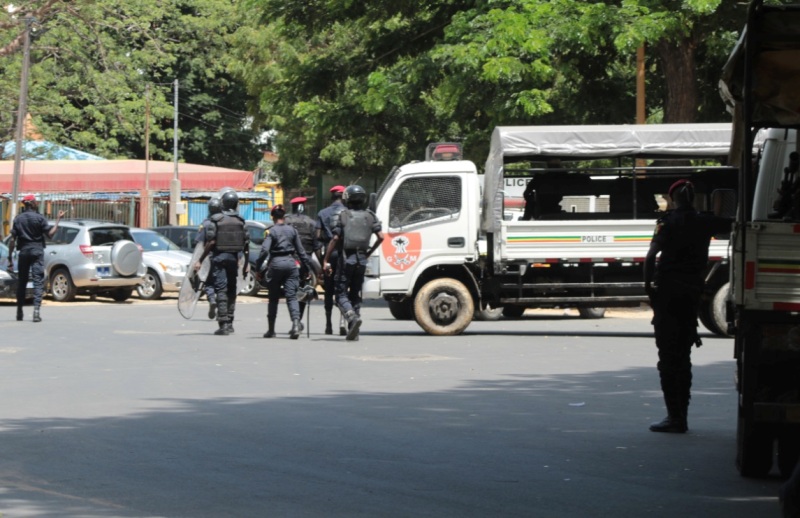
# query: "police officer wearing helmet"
(28, 235)
(214, 207)
(326, 220)
(305, 229)
(225, 239)
(351, 236)
(277, 264)
(682, 237)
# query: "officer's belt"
(281, 254)
(354, 250)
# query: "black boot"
(271, 331)
(353, 324)
(328, 325)
(342, 325)
(20, 316)
(295, 332)
(670, 424)
(36, 316)
(212, 310)
(223, 330)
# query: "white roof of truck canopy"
(594, 142)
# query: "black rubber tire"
(592, 313)
(121, 294)
(252, 285)
(444, 307)
(62, 288)
(513, 311)
(403, 310)
(151, 287)
(718, 311)
(753, 448)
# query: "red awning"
(118, 176)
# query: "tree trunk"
(678, 65)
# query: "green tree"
(92, 62)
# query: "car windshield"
(153, 241)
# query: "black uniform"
(354, 229)
(683, 236)
(326, 220)
(227, 230)
(277, 257)
(29, 230)
(305, 231)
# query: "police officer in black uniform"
(682, 236)
(305, 229)
(326, 220)
(214, 207)
(28, 234)
(225, 240)
(277, 263)
(351, 236)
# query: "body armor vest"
(332, 221)
(230, 233)
(305, 229)
(357, 226)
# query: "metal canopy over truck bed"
(510, 143)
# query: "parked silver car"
(166, 263)
(87, 256)
(8, 280)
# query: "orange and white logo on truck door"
(401, 251)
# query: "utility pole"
(175, 184)
(145, 207)
(22, 111)
(641, 115)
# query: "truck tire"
(712, 311)
(488, 314)
(788, 448)
(443, 307)
(753, 448)
(402, 310)
(513, 311)
(592, 313)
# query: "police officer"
(351, 235)
(682, 237)
(28, 234)
(277, 263)
(326, 220)
(305, 229)
(225, 239)
(214, 207)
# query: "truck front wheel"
(402, 310)
(443, 307)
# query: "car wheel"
(150, 288)
(61, 286)
(121, 294)
(250, 287)
(592, 313)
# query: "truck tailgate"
(771, 269)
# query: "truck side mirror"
(723, 202)
(373, 201)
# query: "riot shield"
(192, 287)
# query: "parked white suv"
(86, 256)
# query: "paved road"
(130, 410)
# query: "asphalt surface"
(130, 410)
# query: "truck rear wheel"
(753, 448)
(443, 307)
(712, 311)
(402, 310)
(591, 313)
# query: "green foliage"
(92, 62)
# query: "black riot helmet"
(230, 200)
(355, 195)
(214, 206)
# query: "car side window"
(108, 236)
(63, 236)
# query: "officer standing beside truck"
(28, 234)
(682, 236)
(326, 219)
(225, 240)
(351, 236)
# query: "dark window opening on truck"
(419, 200)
